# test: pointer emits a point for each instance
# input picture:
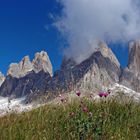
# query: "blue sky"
(23, 32)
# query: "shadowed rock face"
(27, 77)
(32, 83)
(131, 75)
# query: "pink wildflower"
(78, 93)
(103, 94)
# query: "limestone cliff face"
(131, 74)
(27, 77)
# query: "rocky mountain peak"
(20, 69)
(131, 75)
(25, 65)
(107, 53)
(42, 62)
(134, 57)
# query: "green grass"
(78, 120)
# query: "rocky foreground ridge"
(35, 78)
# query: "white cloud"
(84, 21)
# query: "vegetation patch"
(79, 120)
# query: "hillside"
(79, 120)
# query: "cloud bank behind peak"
(83, 22)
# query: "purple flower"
(103, 94)
(78, 93)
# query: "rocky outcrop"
(131, 74)
(27, 77)
(2, 78)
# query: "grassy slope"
(76, 121)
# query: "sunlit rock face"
(27, 77)
(131, 74)
(42, 62)
(20, 69)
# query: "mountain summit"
(41, 62)
(21, 69)
(100, 69)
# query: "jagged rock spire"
(41, 62)
(107, 52)
(131, 74)
(134, 57)
(21, 69)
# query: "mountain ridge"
(101, 69)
